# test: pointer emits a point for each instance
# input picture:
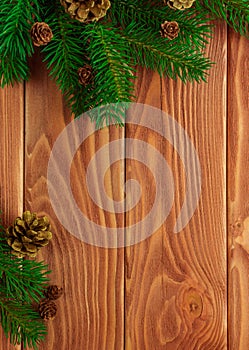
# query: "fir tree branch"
(112, 62)
(168, 58)
(22, 282)
(194, 29)
(20, 322)
(16, 18)
(64, 55)
(75, 45)
(25, 280)
(234, 12)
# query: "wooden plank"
(176, 283)
(11, 169)
(90, 313)
(238, 190)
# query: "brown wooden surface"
(11, 169)
(176, 283)
(170, 291)
(238, 190)
(90, 313)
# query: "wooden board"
(90, 313)
(11, 170)
(238, 191)
(169, 291)
(176, 283)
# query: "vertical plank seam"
(226, 186)
(24, 144)
(124, 254)
(23, 154)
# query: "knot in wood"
(237, 228)
(193, 303)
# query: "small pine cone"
(28, 234)
(86, 10)
(169, 30)
(41, 33)
(85, 75)
(180, 4)
(47, 309)
(53, 292)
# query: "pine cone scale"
(25, 239)
(30, 247)
(16, 245)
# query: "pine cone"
(86, 10)
(47, 309)
(28, 234)
(53, 292)
(180, 4)
(169, 30)
(85, 75)
(41, 33)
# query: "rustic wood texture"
(176, 283)
(238, 191)
(11, 169)
(90, 313)
(169, 291)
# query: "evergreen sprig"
(171, 60)
(22, 283)
(127, 36)
(194, 27)
(111, 60)
(20, 322)
(16, 17)
(234, 12)
(65, 54)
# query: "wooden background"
(187, 291)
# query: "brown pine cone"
(28, 234)
(86, 10)
(169, 30)
(47, 309)
(180, 4)
(41, 33)
(85, 75)
(53, 292)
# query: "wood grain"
(169, 291)
(238, 191)
(11, 169)
(91, 312)
(175, 296)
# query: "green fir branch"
(20, 322)
(194, 28)
(25, 280)
(16, 18)
(112, 63)
(170, 59)
(64, 55)
(234, 12)
(22, 283)
(129, 35)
